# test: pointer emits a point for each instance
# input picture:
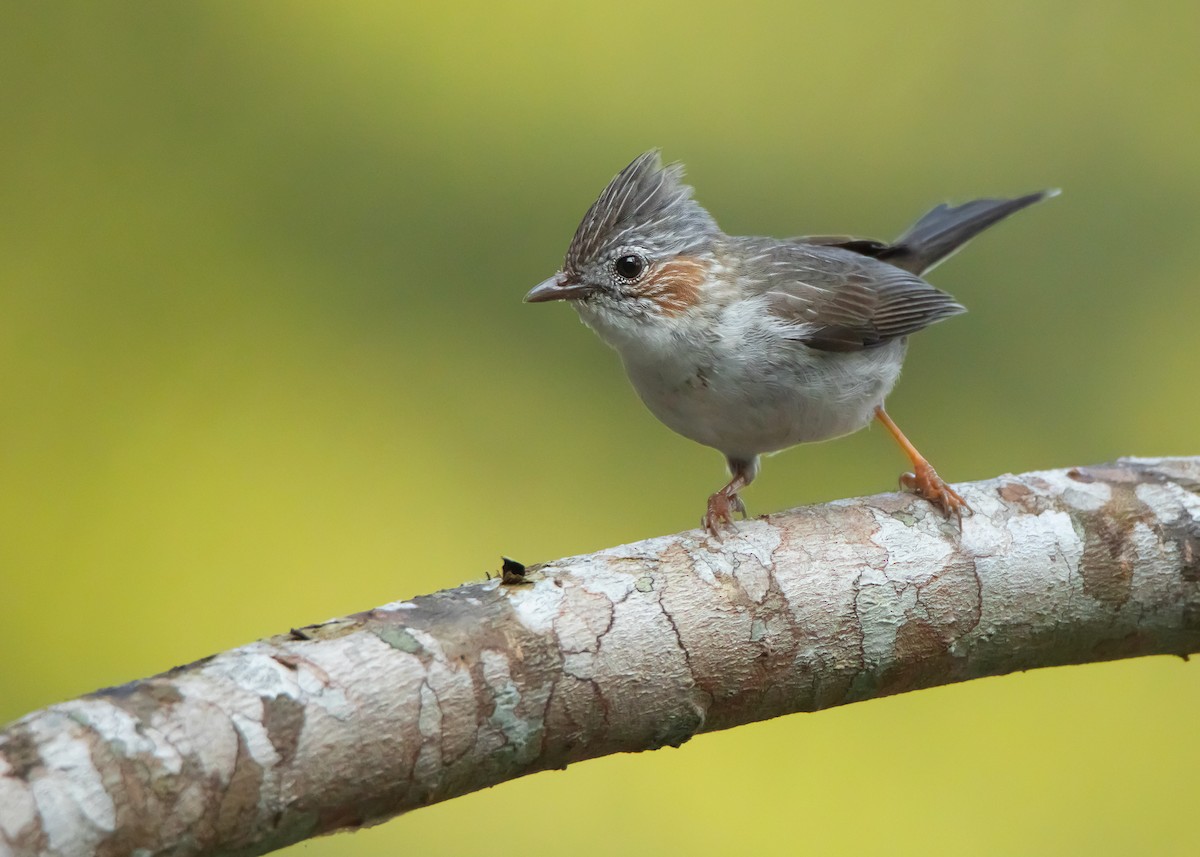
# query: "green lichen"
(521, 732)
(399, 638)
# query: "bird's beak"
(560, 287)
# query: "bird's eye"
(630, 266)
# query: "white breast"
(744, 386)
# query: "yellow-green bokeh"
(263, 359)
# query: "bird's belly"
(745, 411)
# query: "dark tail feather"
(943, 231)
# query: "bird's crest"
(646, 205)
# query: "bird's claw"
(926, 483)
(719, 514)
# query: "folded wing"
(835, 299)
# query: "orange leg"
(924, 480)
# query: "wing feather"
(838, 300)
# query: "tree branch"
(353, 721)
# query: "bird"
(751, 345)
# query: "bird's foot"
(926, 483)
(721, 507)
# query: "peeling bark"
(353, 721)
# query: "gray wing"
(839, 300)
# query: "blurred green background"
(263, 359)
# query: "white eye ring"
(630, 266)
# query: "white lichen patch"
(19, 807)
(580, 665)
(615, 584)
(198, 728)
(69, 793)
(754, 579)
(1084, 496)
(1152, 566)
(348, 655)
(914, 553)
(536, 606)
(581, 623)
(351, 654)
(125, 734)
(255, 739)
(758, 539)
(752, 544)
(254, 671)
(1037, 578)
(982, 536)
(756, 550)
(1169, 501)
(708, 565)
(883, 607)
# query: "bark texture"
(353, 721)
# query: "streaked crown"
(647, 205)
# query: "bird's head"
(643, 251)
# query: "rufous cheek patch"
(675, 285)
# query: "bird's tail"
(943, 231)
